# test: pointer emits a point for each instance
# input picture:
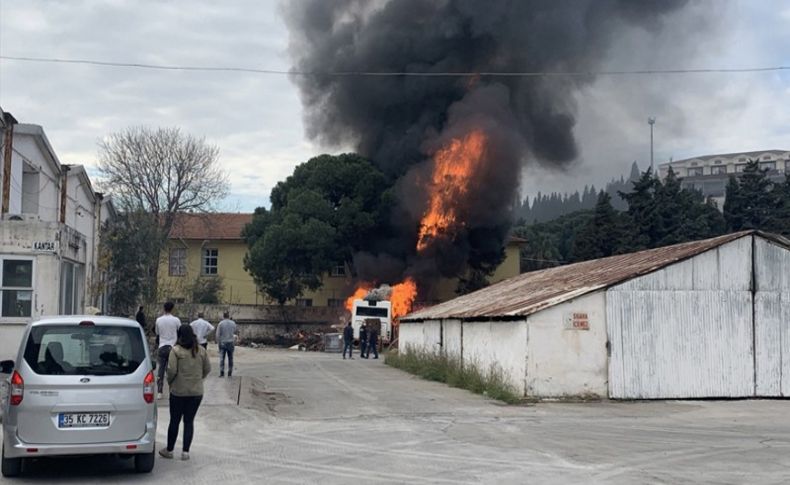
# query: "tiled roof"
(213, 225)
(531, 292)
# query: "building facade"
(704, 319)
(203, 246)
(710, 173)
(50, 228)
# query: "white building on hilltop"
(709, 173)
(50, 226)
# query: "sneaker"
(165, 453)
(222, 374)
(230, 374)
(184, 455)
(159, 395)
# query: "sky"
(256, 119)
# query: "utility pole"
(651, 121)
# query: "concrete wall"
(564, 362)
(498, 346)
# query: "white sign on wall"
(577, 321)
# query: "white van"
(80, 386)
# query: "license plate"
(83, 420)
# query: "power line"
(165, 67)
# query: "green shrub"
(469, 376)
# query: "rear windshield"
(364, 311)
(92, 350)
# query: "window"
(338, 270)
(767, 157)
(16, 288)
(210, 260)
(335, 303)
(178, 262)
(695, 172)
(304, 302)
(767, 165)
(76, 350)
(718, 170)
(739, 167)
(368, 311)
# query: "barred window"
(210, 261)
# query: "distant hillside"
(547, 207)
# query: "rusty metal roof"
(531, 292)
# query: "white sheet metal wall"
(685, 331)
(563, 362)
(424, 336)
(772, 318)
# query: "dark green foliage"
(659, 214)
(601, 236)
(129, 255)
(754, 201)
(331, 207)
(206, 290)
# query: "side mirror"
(6, 366)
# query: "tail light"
(17, 390)
(148, 387)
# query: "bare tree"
(157, 173)
(161, 171)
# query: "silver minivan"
(80, 386)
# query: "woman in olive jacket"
(187, 366)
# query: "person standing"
(226, 340)
(187, 366)
(140, 317)
(202, 329)
(167, 334)
(363, 340)
(348, 341)
(373, 343)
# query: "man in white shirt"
(167, 331)
(202, 328)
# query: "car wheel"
(144, 463)
(11, 467)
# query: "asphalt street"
(300, 417)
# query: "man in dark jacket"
(348, 341)
(363, 340)
(373, 342)
(141, 318)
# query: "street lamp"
(651, 121)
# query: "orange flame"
(454, 167)
(361, 291)
(403, 295)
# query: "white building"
(710, 173)
(50, 224)
(703, 319)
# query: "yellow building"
(204, 246)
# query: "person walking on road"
(140, 317)
(373, 342)
(187, 366)
(202, 329)
(167, 334)
(363, 340)
(226, 340)
(348, 341)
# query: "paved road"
(292, 417)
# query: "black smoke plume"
(400, 121)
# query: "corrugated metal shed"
(531, 292)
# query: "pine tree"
(755, 202)
(643, 212)
(602, 235)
